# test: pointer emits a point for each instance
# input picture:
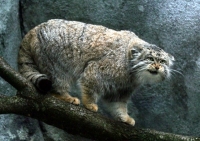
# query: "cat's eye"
(150, 58)
(163, 61)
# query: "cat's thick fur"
(102, 62)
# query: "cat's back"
(70, 44)
(59, 44)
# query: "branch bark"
(71, 118)
(17, 81)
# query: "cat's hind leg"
(89, 99)
(88, 84)
(61, 89)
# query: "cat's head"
(150, 63)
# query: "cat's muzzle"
(154, 72)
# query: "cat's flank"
(104, 63)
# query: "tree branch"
(71, 118)
(11, 76)
(13, 104)
(17, 80)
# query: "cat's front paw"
(68, 98)
(127, 119)
(72, 100)
(92, 107)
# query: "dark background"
(174, 25)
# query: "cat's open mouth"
(153, 72)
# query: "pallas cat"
(102, 62)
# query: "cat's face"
(150, 63)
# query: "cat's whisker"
(176, 71)
(172, 76)
(139, 69)
(135, 66)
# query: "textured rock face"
(172, 106)
(13, 127)
(10, 37)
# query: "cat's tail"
(27, 66)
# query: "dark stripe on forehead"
(158, 54)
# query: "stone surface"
(172, 106)
(13, 127)
(10, 37)
(19, 128)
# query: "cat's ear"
(171, 57)
(136, 49)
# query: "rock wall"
(13, 127)
(172, 106)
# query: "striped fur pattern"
(102, 63)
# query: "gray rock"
(13, 127)
(19, 128)
(10, 37)
(113, 14)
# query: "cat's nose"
(157, 67)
